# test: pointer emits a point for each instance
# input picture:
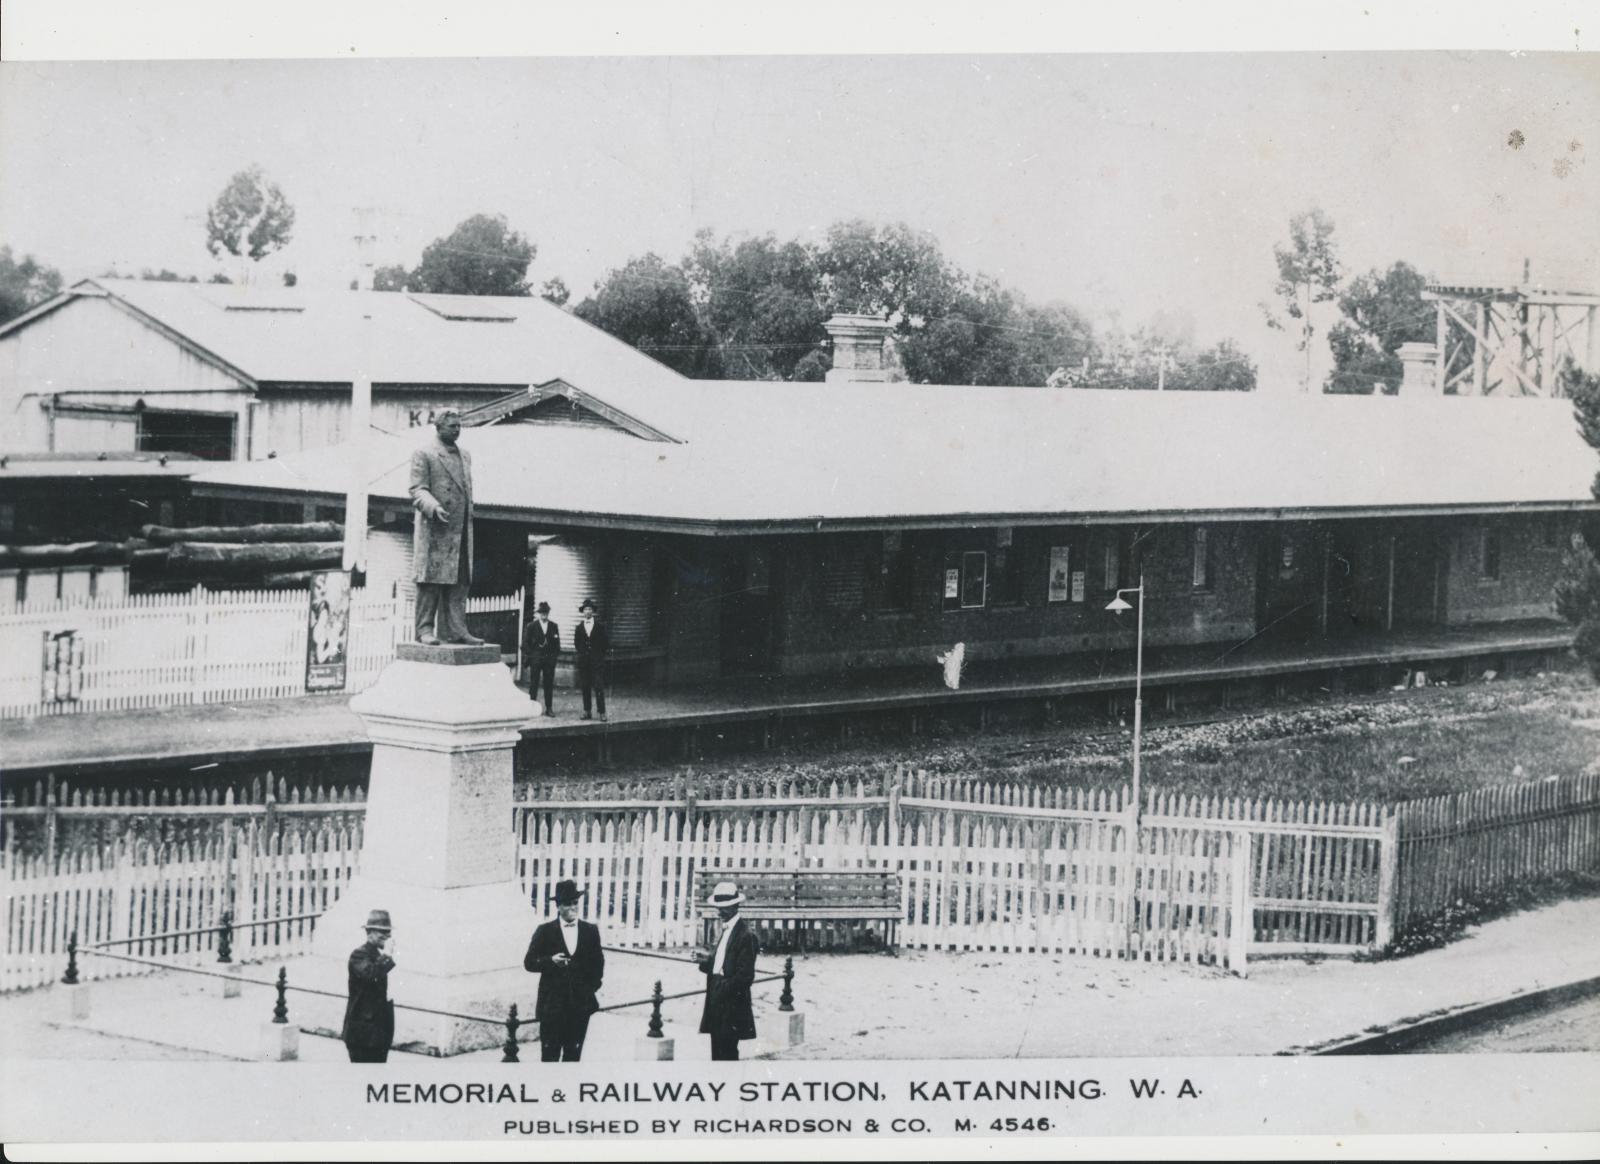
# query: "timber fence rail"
(1454, 848)
(137, 869)
(983, 865)
(198, 646)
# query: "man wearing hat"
(590, 644)
(730, 971)
(368, 1014)
(541, 647)
(567, 957)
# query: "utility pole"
(355, 502)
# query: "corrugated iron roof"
(309, 335)
(803, 453)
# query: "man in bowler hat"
(368, 1014)
(730, 971)
(541, 647)
(590, 646)
(566, 955)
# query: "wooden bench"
(819, 908)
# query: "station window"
(1489, 554)
(1005, 571)
(1200, 540)
(896, 573)
(1117, 568)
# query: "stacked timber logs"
(273, 555)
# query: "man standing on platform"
(590, 645)
(441, 546)
(730, 971)
(368, 1014)
(567, 957)
(542, 646)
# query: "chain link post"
(786, 999)
(655, 1031)
(225, 937)
(512, 1022)
(70, 978)
(280, 1012)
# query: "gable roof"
(807, 456)
(306, 335)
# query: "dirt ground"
(952, 1004)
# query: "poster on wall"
(952, 583)
(1077, 586)
(328, 631)
(1060, 578)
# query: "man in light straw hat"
(369, 1015)
(567, 957)
(730, 971)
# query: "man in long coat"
(368, 1015)
(541, 647)
(566, 955)
(730, 971)
(591, 647)
(441, 547)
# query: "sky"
(1124, 184)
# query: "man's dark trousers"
(725, 1046)
(563, 1043)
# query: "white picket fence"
(201, 646)
(1048, 877)
(150, 877)
(983, 866)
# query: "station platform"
(762, 708)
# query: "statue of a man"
(441, 548)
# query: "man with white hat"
(730, 971)
(368, 1014)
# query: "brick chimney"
(857, 347)
(1420, 364)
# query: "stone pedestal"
(437, 850)
(229, 986)
(648, 1050)
(797, 1027)
(73, 1006)
(279, 1043)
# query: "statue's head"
(448, 426)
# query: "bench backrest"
(818, 888)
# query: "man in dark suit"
(730, 970)
(441, 540)
(567, 957)
(590, 647)
(368, 1014)
(541, 647)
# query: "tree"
(555, 291)
(759, 301)
(391, 278)
(1308, 275)
(250, 218)
(648, 303)
(1163, 355)
(25, 284)
(1381, 310)
(481, 256)
(1578, 592)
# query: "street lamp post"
(1118, 604)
